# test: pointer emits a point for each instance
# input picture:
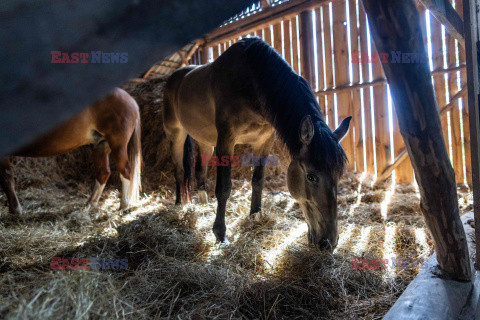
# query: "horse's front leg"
(223, 187)
(258, 178)
(8, 185)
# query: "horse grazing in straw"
(112, 125)
(241, 98)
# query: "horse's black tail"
(188, 162)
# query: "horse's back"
(108, 114)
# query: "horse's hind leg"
(201, 169)
(102, 171)
(178, 137)
(258, 177)
(122, 164)
(8, 185)
(225, 146)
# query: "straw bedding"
(175, 269)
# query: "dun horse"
(112, 125)
(241, 98)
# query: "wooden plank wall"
(346, 87)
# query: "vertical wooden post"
(306, 44)
(395, 26)
(471, 39)
(204, 54)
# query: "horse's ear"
(306, 130)
(342, 129)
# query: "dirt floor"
(175, 269)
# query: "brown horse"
(241, 98)
(112, 125)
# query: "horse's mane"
(285, 99)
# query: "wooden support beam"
(194, 48)
(395, 26)
(182, 58)
(446, 14)
(472, 37)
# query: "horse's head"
(313, 177)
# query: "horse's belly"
(202, 131)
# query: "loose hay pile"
(175, 270)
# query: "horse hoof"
(203, 196)
(257, 216)
(220, 235)
(91, 205)
(16, 212)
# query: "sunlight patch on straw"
(271, 256)
(359, 194)
(362, 243)
(387, 200)
(389, 248)
(344, 237)
(421, 240)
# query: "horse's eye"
(311, 177)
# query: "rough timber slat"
(455, 114)
(439, 80)
(319, 44)
(306, 43)
(268, 35)
(341, 63)
(277, 37)
(367, 113)
(465, 107)
(355, 93)
(295, 45)
(330, 114)
(380, 105)
(287, 41)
